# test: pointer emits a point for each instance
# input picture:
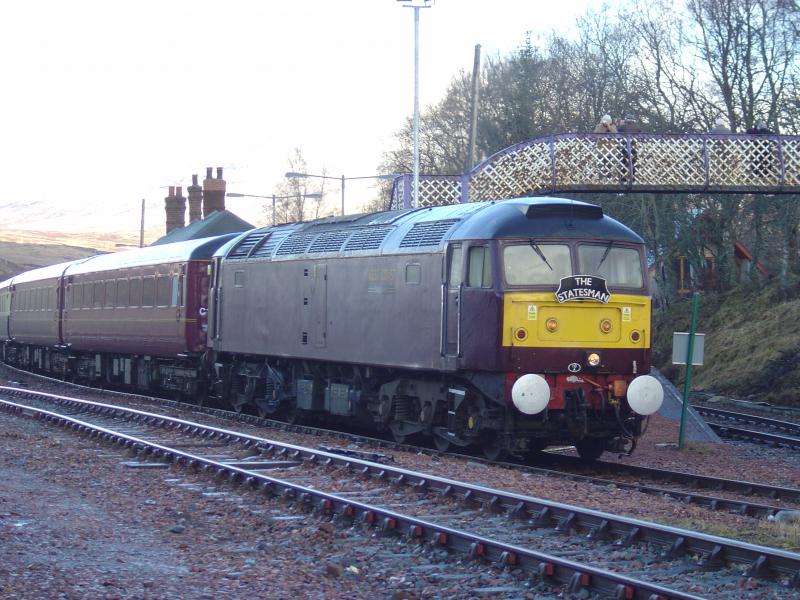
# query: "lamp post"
(416, 5)
(141, 228)
(274, 198)
(342, 179)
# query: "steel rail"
(688, 479)
(684, 477)
(575, 575)
(740, 433)
(761, 561)
(728, 415)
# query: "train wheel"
(442, 445)
(493, 448)
(590, 448)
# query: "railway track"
(555, 543)
(723, 494)
(748, 427)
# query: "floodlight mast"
(416, 5)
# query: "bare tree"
(749, 48)
(294, 204)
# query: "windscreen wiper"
(540, 253)
(605, 255)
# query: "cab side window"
(479, 270)
(454, 278)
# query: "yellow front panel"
(577, 323)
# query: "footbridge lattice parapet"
(589, 162)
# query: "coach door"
(451, 292)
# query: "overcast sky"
(108, 102)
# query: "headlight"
(605, 325)
(593, 359)
(530, 394)
(645, 395)
(551, 324)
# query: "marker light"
(635, 336)
(551, 324)
(530, 394)
(593, 359)
(645, 395)
(521, 333)
(605, 325)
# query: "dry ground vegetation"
(17, 258)
(752, 343)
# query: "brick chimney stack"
(195, 201)
(175, 206)
(213, 193)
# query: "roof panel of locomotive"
(151, 255)
(427, 229)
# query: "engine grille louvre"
(243, 248)
(330, 241)
(427, 234)
(367, 238)
(297, 243)
(267, 247)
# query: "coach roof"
(151, 255)
(43, 273)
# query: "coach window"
(98, 294)
(87, 295)
(479, 273)
(136, 292)
(111, 293)
(77, 295)
(174, 298)
(454, 268)
(122, 293)
(49, 304)
(148, 291)
(163, 290)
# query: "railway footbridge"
(619, 163)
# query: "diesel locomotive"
(509, 326)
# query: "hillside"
(16, 258)
(752, 345)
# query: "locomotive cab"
(576, 326)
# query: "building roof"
(217, 223)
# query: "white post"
(415, 189)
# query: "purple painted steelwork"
(464, 188)
(674, 154)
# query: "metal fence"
(596, 162)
